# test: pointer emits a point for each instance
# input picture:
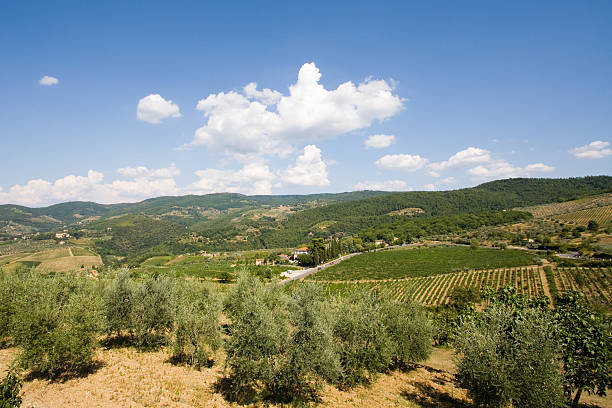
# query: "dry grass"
(128, 378)
(68, 263)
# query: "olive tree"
(196, 328)
(586, 343)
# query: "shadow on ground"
(427, 396)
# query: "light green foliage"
(196, 329)
(119, 303)
(153, 311)
(258, 335)
(586, 342)
(366, 346)
(55, 323)
(509, 355)
(410, 331)
(311, 352)
(8, 290)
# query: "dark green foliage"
(552, 285)
(8, 291)
(306, 260)
(593, 226)
(404, 263)
(55, 323)
(586, 342)
(509, 355)
(135, 234)
(196, 330)
(9, 390)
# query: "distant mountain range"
(229, 221)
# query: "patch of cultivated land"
(602, 215)
(436, 290)
(418, 262)
(53, 260)
(546, 210)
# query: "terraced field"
(602, 215)
(595, 283)
(547, 210)
(435, 290)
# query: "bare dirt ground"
(128, 378)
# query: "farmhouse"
(259, 261)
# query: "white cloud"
(154, 109)
(502, 169)
(379, 141)
(267, 122)
(402, 161)
(429, 187)
(594, 150)
(388, 185)
(140, 171)
(265, 96)
(48, 80)
(471, 155)
(309, 169)
(253, 178)
(40, 192)
(449, 180)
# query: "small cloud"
(594, 150)
(429, 187)
(406, 162)
(48, 80)
(154, 109)
(379, 141)
(388, 185)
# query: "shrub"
(119, 303)
(586, 345)
(9, 390)
(311, 353)
(366, 346)
(410, 331)
(258, 335)
(153, 311)
(8, 290)
(509, 355)
(55, 323)
(196, 329)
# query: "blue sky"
(145, 99)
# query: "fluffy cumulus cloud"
(594, 150)
(429, 187)
(406, 162)
(146, 184)
(388, 185)
(309, 169)
(48, 80)
(379, 141)
(266, 122)
(154, 109)
(469, 156)
(253, 178)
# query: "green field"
(206, 268)
(406, 263)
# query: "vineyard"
(602, 215)
(595, 283)
(425, 261)
(436, 290)
(547, 210)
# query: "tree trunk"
(577, 397)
